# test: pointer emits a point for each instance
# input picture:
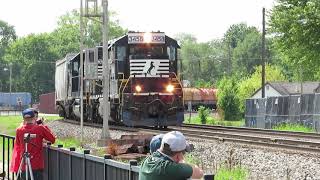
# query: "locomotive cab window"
(75, 68)
(171, 51)
(147, 52)
(121, 53)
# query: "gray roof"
(289, 88)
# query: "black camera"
(27, 137)
(39, 121)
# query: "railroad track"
(270, 132)
(304, 142)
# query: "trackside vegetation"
(293, 127)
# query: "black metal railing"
(7, 144)
(66, 164)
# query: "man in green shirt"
(167, 162)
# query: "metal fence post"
(8, 156)
(3, 153)
(72, 149)
(84, 163)
(208, 177)
(132, 163)
(105, 171)
(48, 160)
(58, 160)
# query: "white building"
(287, 88)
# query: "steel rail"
(295, 145)
(255, 131)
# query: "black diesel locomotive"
(144, 87)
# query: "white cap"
(176, 141)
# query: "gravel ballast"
(262, 163)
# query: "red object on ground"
(47, 103)
(34, 147)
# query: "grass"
(236, 173)
(8, 124)
(68, 142)
(189, 158)
(223, 173)
(214, 121)
(293, 127)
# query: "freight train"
(196, 97)
(144, 87)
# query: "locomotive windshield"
(147, 51)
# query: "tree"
(253, 82)
(248, 52)
(67, 34)
(295, 25)
(184, 38)
(33, 60)
(237, 33)
(242, 49)
(201, 61)
(7, 36)
(227, 98)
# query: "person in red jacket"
(42, 132)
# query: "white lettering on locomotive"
(138, 38)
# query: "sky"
(206, 19)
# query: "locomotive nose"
(154, 108)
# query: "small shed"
(274, 89)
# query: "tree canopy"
(7, 36)
(295, 24)
(33, 56)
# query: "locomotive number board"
(139, 38)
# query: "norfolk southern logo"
(150, 68)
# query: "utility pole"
(263, 52)
(301, 80)
(81, 68)
(105, 135)
(91, 13)
(10, 81)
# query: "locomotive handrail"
(180, 85)
(122, 76)
(124, 89)
(122, 80)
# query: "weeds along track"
(296, 141)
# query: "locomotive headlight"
(147, 37)
(138, 88)
(170, 88)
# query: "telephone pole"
(105, 135)
(91, 12)
(263, 78)
(10, 74)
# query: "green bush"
(228, 100)
(203, 114)
(190, 158)
(236, 173)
